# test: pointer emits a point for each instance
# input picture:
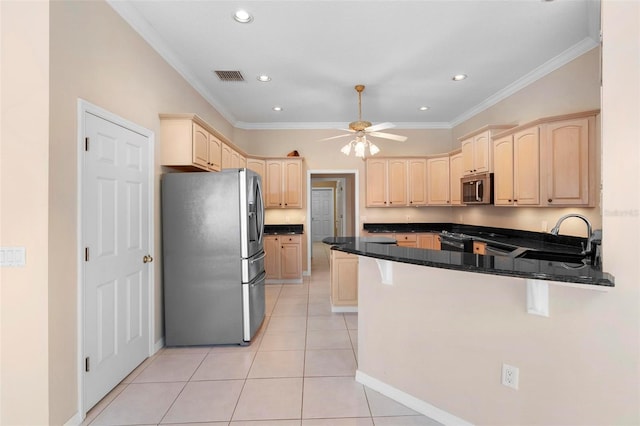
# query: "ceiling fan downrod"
(359, 125)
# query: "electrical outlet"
(510, 376)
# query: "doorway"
(345, 198)
(115, 243)
(323, 223)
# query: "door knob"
(147, 259)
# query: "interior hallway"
(299, 371)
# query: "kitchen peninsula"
(437, 323)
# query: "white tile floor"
(298, 371)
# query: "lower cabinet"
(423, 240)
(344, 281)
(283, 258)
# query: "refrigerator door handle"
(258, 258)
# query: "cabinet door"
(376, 181)
(290, 259)
(526, 167)
(226, 156)
(566, 157)
(215, 153)
(235, 159)
(200, 146)
(467, 156)
(272, 256)
(273, 186)
(503, 171)
(438, 179)
(292, 170)
(455, 173)
(407, 240)
(397, 182)
(257, 166)
(344, 279)
(425, 241)
(482, 153)
(417, 178)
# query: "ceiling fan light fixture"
(359, 148)
(346, 150)
(373, 149)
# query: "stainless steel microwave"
(477, 189)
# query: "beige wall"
(580, 365)
(96, 56)
(24, 337)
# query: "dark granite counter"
(283, 229)
(512, 238)
(494, 265)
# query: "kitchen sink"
(553, 256)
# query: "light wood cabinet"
(428, 241)
(257, 166)
(344, 279)
(517, 168)
(186, 143)
(455, 174)
(479, 247)
(283, 258)
(417, 181)
(477, 149)
(232, 159)
(476, 156)
(567, 156)
(407, 240)
(438, 181)
(283, 187)
(386, 182)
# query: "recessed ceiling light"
(459, 77)
(423, 108)
(277, 108)
(242, 16)
(264, 78)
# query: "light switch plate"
(12, 257)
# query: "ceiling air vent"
(229, 75)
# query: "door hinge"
(86, 365)
(86, 144)
(86, 254)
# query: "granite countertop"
(500, 237)
(496, 265)
(356, 240)
(283, 229)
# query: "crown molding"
(333, 126)
(551, 65)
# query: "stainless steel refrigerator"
(213, 257)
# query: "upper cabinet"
(455, 174)
(386, 182)
(258, 166)
(438, 181)
(568, 157)
(477, 153)
(283, 184)
(185, 142)
(517, 168)
(549, 162)
(417, 181)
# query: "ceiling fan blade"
(335, 137)
(397, 138)
(381, 126)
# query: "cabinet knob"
(549, 200)
(509, 200)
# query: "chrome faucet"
(556, 229)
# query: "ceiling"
(404, 52)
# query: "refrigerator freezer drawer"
(252, 267)
(253, 306)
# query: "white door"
(322, 215)
(116, 239)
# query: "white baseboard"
(344, 308)
(74, 421)
(410, 401)
(158, 345)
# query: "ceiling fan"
(361, 129)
